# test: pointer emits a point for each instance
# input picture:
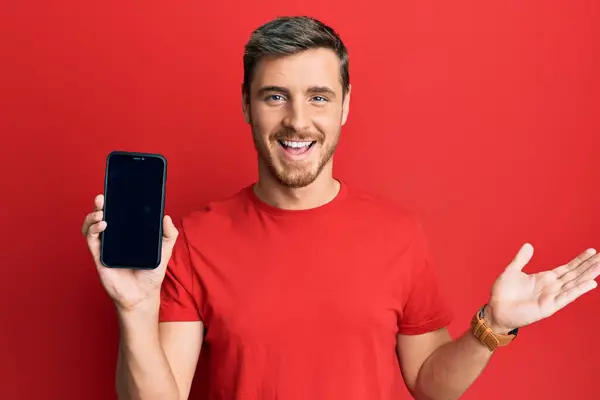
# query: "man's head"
(296, 94)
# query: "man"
(300, 286)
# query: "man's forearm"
(452, 368)
(143, 371)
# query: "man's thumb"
(522, 258)
(170, 234)
(169, 231)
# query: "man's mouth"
(296, 147)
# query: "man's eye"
(320, 99)
(275, 97)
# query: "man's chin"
(295, 179)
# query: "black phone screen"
(133, 210)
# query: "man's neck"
(321, 191)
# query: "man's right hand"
(129, 288)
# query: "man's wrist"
(147, 306)
(497, 329)
(143, 316)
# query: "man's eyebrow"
(266, 89)
(321, 90)
(311, 90)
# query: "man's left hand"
(518, 299)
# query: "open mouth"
(296, 147)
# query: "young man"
(300, 286)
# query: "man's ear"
(245, 105)
(346, 106)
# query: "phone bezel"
(162, 206)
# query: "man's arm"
(156, 361)
(437, 368)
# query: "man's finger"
(99, 202)
(91, 219)
(95, 216)
(574, 263)
(96, 229)
(170, 234)
(570, 295)
(584, 270)
(169, 230)
(522, 258)
(591, 273)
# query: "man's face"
(296, 112)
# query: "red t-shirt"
(302, 304)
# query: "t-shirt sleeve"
(424, 308)
(179, 291)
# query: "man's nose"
(297, 117)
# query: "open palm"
(518, 299)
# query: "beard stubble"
(299, 174)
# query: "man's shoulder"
(383, 209)
(218, 212)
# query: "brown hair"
(289, 35)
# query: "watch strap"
(485, 334)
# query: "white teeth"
(296, 145)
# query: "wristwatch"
(485, 334)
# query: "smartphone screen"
(134, 197)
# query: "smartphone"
(134, 202)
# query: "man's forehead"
(315, 67)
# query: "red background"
(481, 116)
